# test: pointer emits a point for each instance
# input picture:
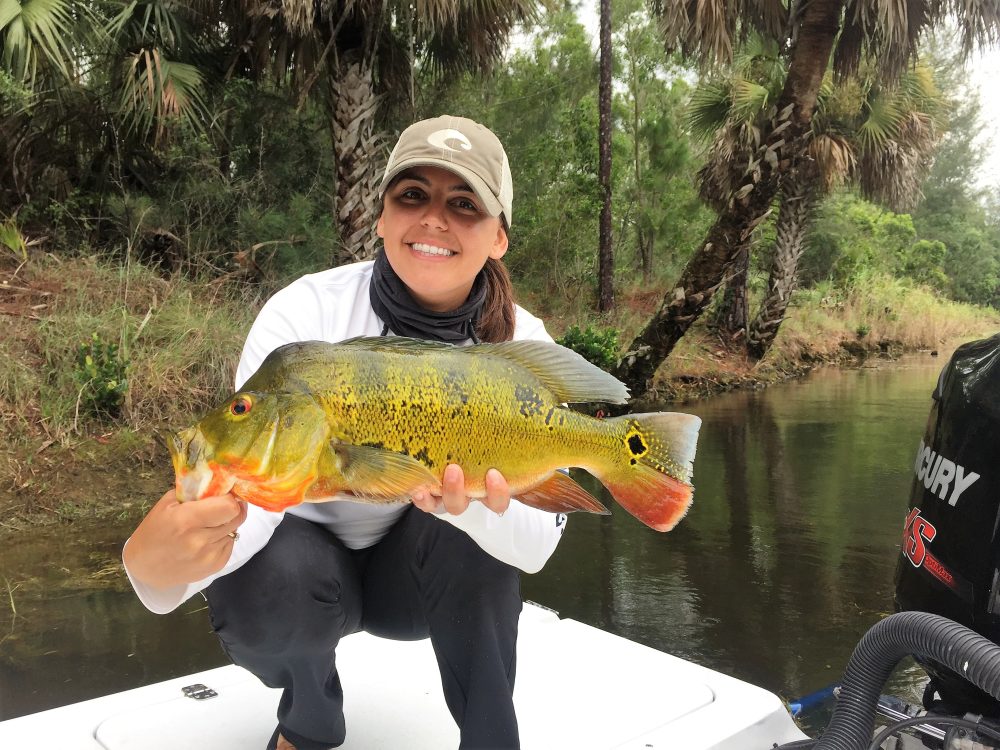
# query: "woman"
(285, 588)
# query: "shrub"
(102, 375)
(597, 346)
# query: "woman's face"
(438, 236)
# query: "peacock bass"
(373, 419)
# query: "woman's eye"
(465, 204)
(411, 194)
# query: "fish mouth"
(194, 476)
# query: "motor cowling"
(950, 554)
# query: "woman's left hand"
(452, 497)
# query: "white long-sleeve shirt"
(334, 305)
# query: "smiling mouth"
(420, 247)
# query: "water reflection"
(785, 560)
(70, 641)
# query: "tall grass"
(179, 341)
(877, 309)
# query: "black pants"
(283, 613)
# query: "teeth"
(431, 249)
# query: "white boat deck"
(577, 688)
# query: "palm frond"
(708, 108)
(712, 30)
(749, 100)
(457, 35)
(882, 123)
(157, 91)
(36, 35)
(834, 157)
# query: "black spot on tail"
(637, 445)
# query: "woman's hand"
(453, 498)
(180, 543)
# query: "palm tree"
(881, 138)
(356, 55)
(106, 80)
(39, 53)
(728, 110)
(811, 33)
(860, 129)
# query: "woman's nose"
(434, 216)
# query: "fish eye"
(241, 405)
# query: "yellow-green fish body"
(378, 418)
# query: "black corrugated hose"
(921, 634)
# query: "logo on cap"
(440, 138)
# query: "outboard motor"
(950, 557)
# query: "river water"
(784, 561)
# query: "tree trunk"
(644, 237)
(798, 200)
(734, 310)
(606, 262)
(782, 142)
(358, 165)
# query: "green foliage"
(102, 375)
(853, 238)
(11, 240)
(924, 261)
(599, 346)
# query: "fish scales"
(443, 411)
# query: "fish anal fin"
(560, 494)
(380, 474)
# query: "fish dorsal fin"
(569, 376)
(399, 344)
(381, 474)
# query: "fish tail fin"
(650, 476)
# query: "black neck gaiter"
(401, 314)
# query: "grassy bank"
(82, 438)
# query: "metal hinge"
(198, 691)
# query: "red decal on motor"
(918, 532)
(939, 571)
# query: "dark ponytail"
(496, 321)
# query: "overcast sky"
(985, 74)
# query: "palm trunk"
(782, 143)
(798, 199)
(734, 310)
(355, 146)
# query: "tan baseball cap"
(462, 146)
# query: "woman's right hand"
(180, 543)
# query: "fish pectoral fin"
(560, 494)
(378, 473)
